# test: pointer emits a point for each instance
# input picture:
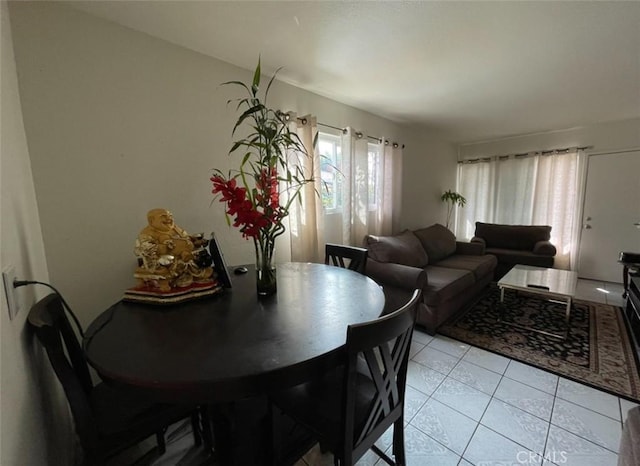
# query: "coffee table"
(552, 284)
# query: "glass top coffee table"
(553, 284)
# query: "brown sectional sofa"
(516, 244)
(456, 272)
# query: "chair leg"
(162, 444)
(207, 431)
(196, 429)
(274, 431)
(383, 456)
(398, 442)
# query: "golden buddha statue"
(168, 257)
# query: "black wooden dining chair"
(107, 420)
(356, 258)
(348, 409)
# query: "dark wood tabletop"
(234, 345)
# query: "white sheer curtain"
(306, 217)
(369, 187)
(536, 190)
(388, 211)
(355, 188)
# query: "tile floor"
(466, 406)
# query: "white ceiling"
(470, 70)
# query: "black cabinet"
(632, 312)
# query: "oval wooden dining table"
(234, 345)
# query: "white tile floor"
(466, 406)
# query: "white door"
(611, 215)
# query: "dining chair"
(107, 420)
(335, 254)
(348, 409)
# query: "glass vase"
(265, 268)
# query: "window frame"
(336, 160)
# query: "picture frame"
(219, 264)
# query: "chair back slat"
(51, 326)
(335, 254)
(384, 344)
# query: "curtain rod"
(344, 131)
(619, 151)
(358, 133)
(564, 150)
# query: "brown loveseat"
(516, 244)
(456, 272)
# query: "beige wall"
(426, 175)
(119, 122)
(605, 137)
(30, 396)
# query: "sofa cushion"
(437, 241)
(402, 249)
(445, 283)
(481, 266)
(521, 237)
(512, 257)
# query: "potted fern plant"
(452, 199)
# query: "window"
(329, 148)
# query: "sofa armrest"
(544, 248)
(396, 275)
(477, 239)
(474, 248)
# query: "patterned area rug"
(597, 350)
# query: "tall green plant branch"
(452, 199)
(269, 145)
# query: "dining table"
(235, 345)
